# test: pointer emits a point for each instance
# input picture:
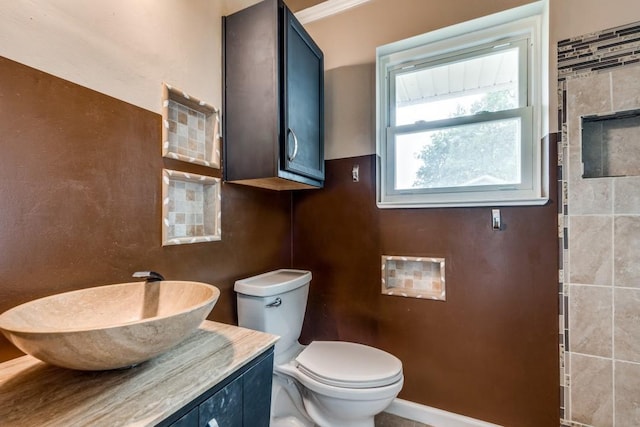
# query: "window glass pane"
(478, 154)
(486, 82)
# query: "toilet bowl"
(327, 383)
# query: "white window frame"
(514, 25)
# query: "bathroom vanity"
(219, 376)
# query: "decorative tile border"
(190, 208)
(191, 128)
(593, 52)
(579, 57)
(421, 277)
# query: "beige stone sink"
(109, 327)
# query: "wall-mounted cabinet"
(273, 119)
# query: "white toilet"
(327, 383)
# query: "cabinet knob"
(295, 144)
(212, 423)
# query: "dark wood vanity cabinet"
(242, 400)
(273, 117)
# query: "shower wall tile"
(627, 251)
(592, 390)
(587, 195)
(599, 73)
(587, 95)
(622, 150)
(593, 159)
(627, 325)
(590, 320)
(590, 241)
(627, 195)
(627, 392)
(625, 88)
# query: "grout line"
(613, 296)
(567, 274)
(611, 90)
(607, 214)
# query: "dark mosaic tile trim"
(578, 56)
(599, 51)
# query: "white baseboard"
(433, 416)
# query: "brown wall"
(80, 199)
(80, 206)
(490, 351)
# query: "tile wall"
(599, 231)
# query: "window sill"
(461, 204)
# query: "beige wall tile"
(590, 320)
(594, 159)
(590, 243)
(627, 195)
(586, 95)
(621, 148)
(627, 325)
(625, 88)
(591, 390)
(627, 251)
(627, 392)
(587, 195)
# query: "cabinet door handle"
(212, 423)
(295, 144)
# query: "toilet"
(326, 383)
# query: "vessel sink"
(109, 327)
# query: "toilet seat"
(348, 365)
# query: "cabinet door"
(257, 393)
(190, 419)
(303, 102)
(223, 409)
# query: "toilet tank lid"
(272, 283)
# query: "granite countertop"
(35, 393)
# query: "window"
(459, 115)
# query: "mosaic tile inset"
(191, 208)
(191, 129)
(413, 277)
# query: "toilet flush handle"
(276, 303)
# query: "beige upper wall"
(122, 48)
(350, 38)
(570, 18)
(126, 49)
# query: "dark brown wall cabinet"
(273, 100)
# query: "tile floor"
(386, 419)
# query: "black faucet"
(149, 276)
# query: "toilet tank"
(274, 302)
